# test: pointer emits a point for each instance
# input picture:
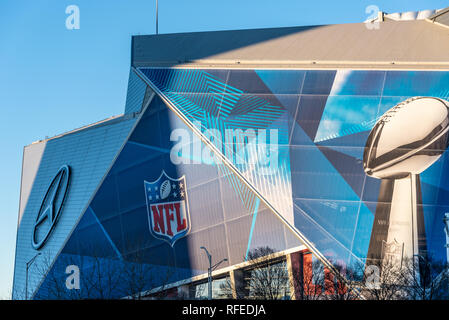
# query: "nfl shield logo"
(168, 208)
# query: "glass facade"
(323, 120)
(232, 160)
(221, 289)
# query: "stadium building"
(288, 145)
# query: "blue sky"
(53, 80)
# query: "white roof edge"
(297, 64)
(89, 126)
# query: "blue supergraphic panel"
(254, 146)
(417, 83)
(327, 120)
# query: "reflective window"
(221, 289)
(268, 281)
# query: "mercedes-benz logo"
(51, 207)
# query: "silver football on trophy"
(408, 138)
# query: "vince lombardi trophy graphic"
(403, 143)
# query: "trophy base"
(398, 228)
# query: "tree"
(99, 278)
(137, 276)
(313, 281)
(266, 278)
(425, 279)
(382, 280)
(103, 277)
(411, 279)
(306, 281)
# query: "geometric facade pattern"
(317, 120)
